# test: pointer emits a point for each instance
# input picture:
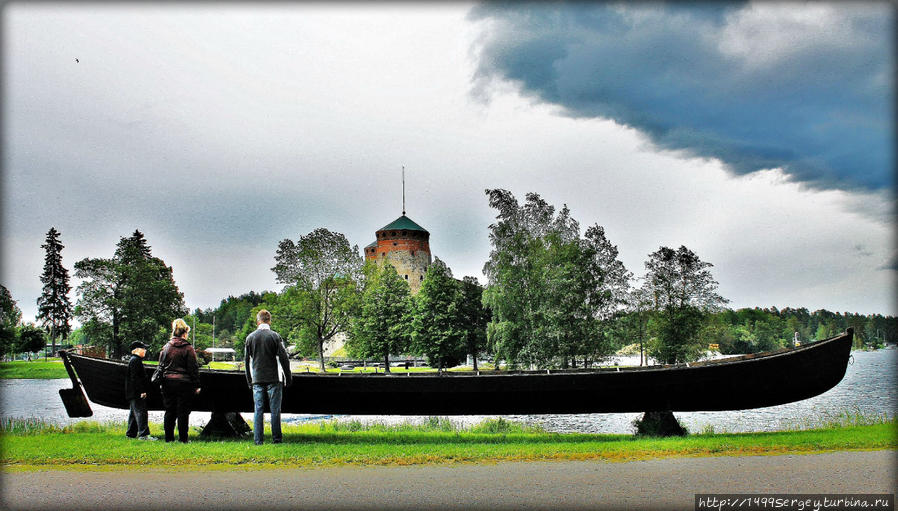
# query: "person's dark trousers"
(137, 419)
(273, 393)
(177, 396)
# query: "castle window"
(394, 243)
(406, 277)
(393, 233)
(421, 277)
(403, 233)
(413, 252)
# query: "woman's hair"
(179, 328)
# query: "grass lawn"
(27, 444)
(37, 369)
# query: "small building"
(226, 352)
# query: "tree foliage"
(473, 317)
(31, 339)
(635, 321)
(382, 325)
(751, 330)
(436, 323)
(683, 291)
(54, 310)
(325, 272)
(10, 317)
(551, 290)
(129, 297)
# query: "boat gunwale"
(740, 359)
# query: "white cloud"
(765, 34)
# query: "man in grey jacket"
(267, 371)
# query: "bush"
(659, 424)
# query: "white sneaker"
(150, 438)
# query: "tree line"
(556, 296)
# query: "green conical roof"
(403, 222)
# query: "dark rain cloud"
(809, 91)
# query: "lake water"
(870, 386)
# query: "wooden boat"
(749, 381)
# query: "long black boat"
(749, 381)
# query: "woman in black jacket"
(180, 380)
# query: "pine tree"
(54, 310)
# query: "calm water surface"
(870, 386)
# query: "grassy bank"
(27, 444)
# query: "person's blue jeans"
(271, 392)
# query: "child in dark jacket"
(136, 386)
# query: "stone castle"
(405, 245)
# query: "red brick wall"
(387, 243)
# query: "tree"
(151, 299)
(382, 325)
(605, 283)
(684, 291)
(436, 323)
(31, 340)
(550, 289)
(131, 296)
(10, 316)
(54, 310)
(473, 317)
(639, 306)
(519, 271)
(326, 272)
(267, 300)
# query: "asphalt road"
(653, 484)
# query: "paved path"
(654, 484)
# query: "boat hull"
(731, 384)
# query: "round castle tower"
(405, 245)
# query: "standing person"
(136, 386)
(267, 371)
(180, 380)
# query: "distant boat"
(748, 381)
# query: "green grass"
(31, 443)
(228, 366)
(38, 370)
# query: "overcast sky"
(758, 135)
